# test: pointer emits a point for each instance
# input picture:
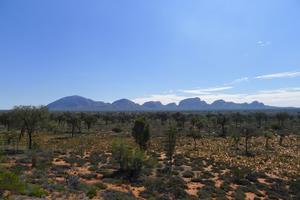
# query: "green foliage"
(92, 192)
(188, 174)
(295, 186)
(117, 195)
(35, 191)
(11, 182)
(222, 120)
(158, 187)
(100, 186)
(141, 133)
(30, 119)
(235, 135)
(130, 159)
(117, 130)
(89, 119)
(74, 121)
(170, 143)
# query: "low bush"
(131, 160)
(173, 186)
(116, 195)
(117, 130)
(100, 186)
(11, 182)
(188, 174)
(35, 191)
(73, 182)
(91, 192)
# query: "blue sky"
(167, 50)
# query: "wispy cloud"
(279, 75)
(278, 97)
(264, 43)
(206, 90)
(239, 80)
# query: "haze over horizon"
(166, 51)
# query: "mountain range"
(78, 103)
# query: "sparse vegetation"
(103, 160)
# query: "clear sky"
(167, 50)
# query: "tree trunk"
(267, 143)
(8, 127)
(223, 131)
(195, 144)
(30, 140)
(246, 141)
(281, 140)
(73, 130)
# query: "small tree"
(170, 144)
(89, 120)
(6, 119)
(279, 130)
(195, 131)
(236, 136)
(74, 121)
(282, 117)
(31, 118)
(237, 118)
(141, 133)
(268, 135)
(248, 132)
(222, 120)
(180, 120)
(259, 117)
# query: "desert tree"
(237, 119)
(212, 122)
(222, 120)
(248, 132)
(179, 119)
(59, 118)
(141, 133)
(170, 144)
(268, 135)
(260, 117)
(163, 117)
(31, 118)
(107, 117)
(89, 120)
(74, 121)
(6, 119)
(282, 117)
(235, 134)
(196, 134)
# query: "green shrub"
(35, 191)
(92, 192)
(116, 195)
(141, 133)
(188, 174)
(100, 186)
(131, 160)
(239, 194)
(117, 130)
(295, 186)
(10, 181)
(173, 185)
